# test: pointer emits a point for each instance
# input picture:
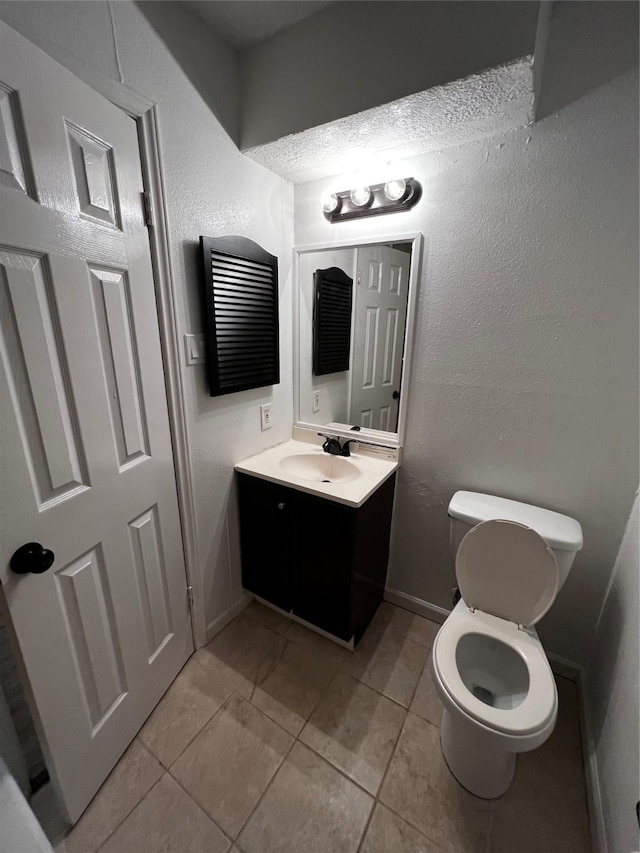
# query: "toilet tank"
(562, 533)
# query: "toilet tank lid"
(559, 531)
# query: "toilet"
(490, 669)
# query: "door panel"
(380, 313)
(86, 466)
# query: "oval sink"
(320, 468)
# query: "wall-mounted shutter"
(331, 321)
(242, 306)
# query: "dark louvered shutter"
(242, 305)
(331, 321)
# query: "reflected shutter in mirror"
(331, 321)
(241, 281)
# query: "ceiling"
(243, 23)
(477, 107)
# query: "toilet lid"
(508, 570)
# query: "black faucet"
(332, 445)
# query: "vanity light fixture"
(330, 202)
(391, 197)
(360, 197)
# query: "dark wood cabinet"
(321, 560)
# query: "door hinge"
(148, 209)
(190, 597)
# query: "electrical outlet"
(316, 401)
(265, 416)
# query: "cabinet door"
(323, 548)
(266, 538)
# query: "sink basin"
(320, 468)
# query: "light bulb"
(394, 190)
(360, 196)
(329, 202)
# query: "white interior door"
(86, 467)
(380, 313)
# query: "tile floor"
(274, 740)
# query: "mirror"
(354, 311)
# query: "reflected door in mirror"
(380, 312)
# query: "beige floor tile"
(297, 633)
(133, 777)
(355, 728)
(420, 787)
(242, 645)
(388, 833)
(405, 623)
(167, 820)
(546, 805)
(290, 688)
(271, 618)
(228, 766)
(193, 698)
(308, 808)
(388, 662)
(426, 702)
(537, 816)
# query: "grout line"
(98, 849)
(391, 809)
(295, 738)
(490, 833)
(203, 810)
(135, 804)
(267, 786)
(168, 767)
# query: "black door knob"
(396, 395)
(33, 558)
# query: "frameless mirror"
(354, 318)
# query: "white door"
(86, 466)
(380, 314)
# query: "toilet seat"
(508, 570)
(540, 703)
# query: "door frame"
(145, 113)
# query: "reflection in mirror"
(352, 324)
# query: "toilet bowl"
(490, 669)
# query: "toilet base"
(476, 761)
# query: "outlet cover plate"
(265, 416)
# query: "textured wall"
(525, 374)
(211, 189)
(613, 695)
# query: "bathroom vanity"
(315, 533)
(315, 527)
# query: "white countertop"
(374, 470)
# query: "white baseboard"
(221, 621)
(416, 605)
(594, 798)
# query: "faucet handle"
(331, 445)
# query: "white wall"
(353, 56)
(613, 696)
(333, 387)
(525, 374)
(211, 189)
